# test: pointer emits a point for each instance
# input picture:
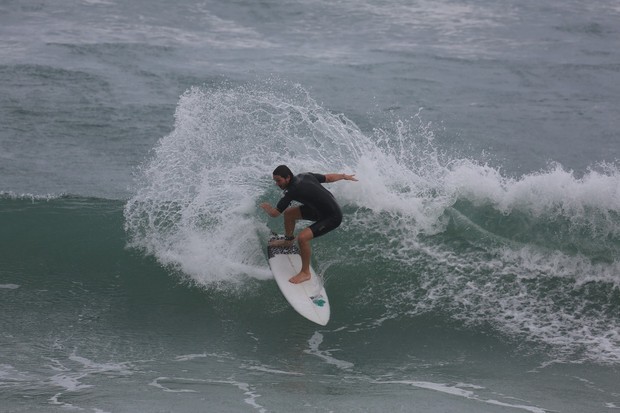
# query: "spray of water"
(195, 204)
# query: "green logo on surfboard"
(318, 300)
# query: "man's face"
(281, 182)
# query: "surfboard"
(307, 298)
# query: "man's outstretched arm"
(339, 177)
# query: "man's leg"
(305, 250)
(318, 228)
(291, 215)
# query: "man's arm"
(339, 177)
(271, 211)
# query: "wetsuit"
(319, 204)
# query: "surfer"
(318, 205)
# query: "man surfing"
(318, 205)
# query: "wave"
(31, 197)
(533, 257)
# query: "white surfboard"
(307, 298)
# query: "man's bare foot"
(282, 243)
(301, 277)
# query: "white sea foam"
(9, 375)
(90, 366)
(315, 342)
(166, 384)
(190, 357)
(157, 382)
(517, 303)
(71, 378)
(459, 391)
(29, 197)
(267, 369)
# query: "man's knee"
(305, 235)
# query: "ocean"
(477, 267)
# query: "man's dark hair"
(283, 171)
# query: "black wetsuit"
(319, 204)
